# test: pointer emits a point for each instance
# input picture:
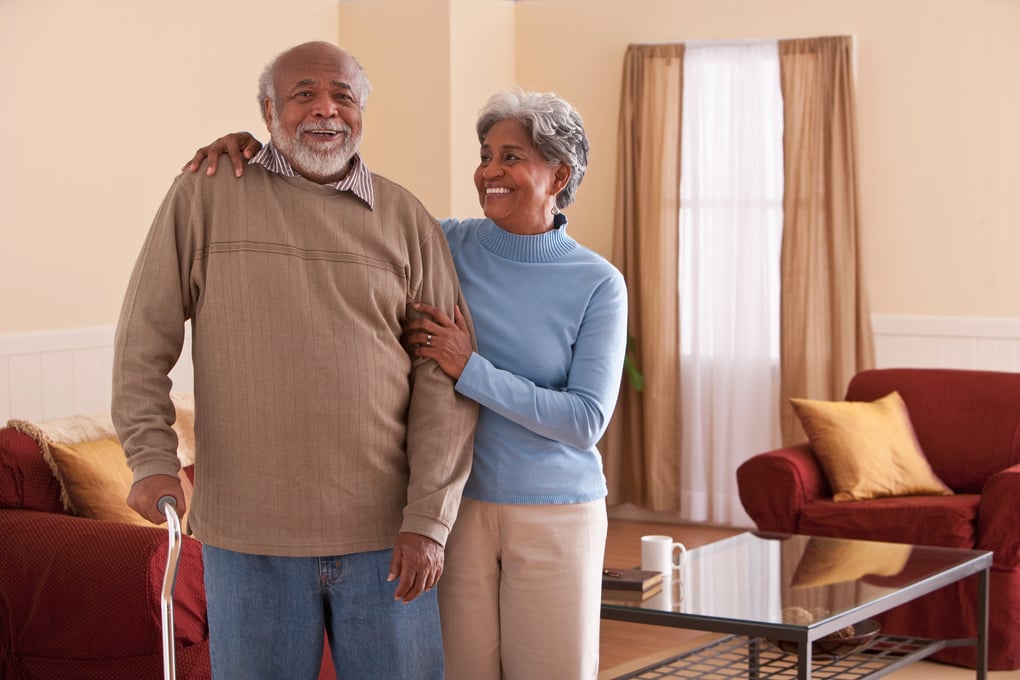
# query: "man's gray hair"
(556, 130)
(266, 90)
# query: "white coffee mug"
(662, 553)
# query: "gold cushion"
(96, 480)
(868, 449)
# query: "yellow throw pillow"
(868, 449)
(96, 479)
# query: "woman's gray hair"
(556, 130)
(267, 91)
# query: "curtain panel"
(825, 323)
(642, 445)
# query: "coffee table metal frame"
(976, 563)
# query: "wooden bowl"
(832, 647)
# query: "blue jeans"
(267, 616)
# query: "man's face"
(315, 118)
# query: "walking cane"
(168, 506)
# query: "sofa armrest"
(999, 517)
(775, 485)
(87, 589)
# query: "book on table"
(637, 580)
(615, 595)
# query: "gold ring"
(428, 340)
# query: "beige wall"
(938, 125)
(104, 101)
(432, 63)
(102, 104)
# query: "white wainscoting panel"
(977, 343)
(52, 374)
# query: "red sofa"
(80, 598)
(968, 425)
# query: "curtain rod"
(736, 41)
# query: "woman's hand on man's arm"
(437, 336)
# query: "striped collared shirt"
(358, 179)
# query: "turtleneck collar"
(546, 247)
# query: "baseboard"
(634, 513)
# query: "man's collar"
(358, 179)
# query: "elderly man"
(329, 466)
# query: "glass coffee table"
(779, 598)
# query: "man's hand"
(417, 562)
(145, 493)
(235, 144)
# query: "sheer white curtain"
(731, 217)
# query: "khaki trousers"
(520, 595)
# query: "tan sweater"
(314, 433)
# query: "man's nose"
(326, 107)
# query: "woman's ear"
(561, 175)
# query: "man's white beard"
(330, 161)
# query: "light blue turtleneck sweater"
(551, 321)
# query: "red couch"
(80, 598)
(968, 425)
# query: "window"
(731, 220)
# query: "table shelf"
(732, 657)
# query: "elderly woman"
(520, 593)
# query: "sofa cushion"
(95, 478)
(26, 481)
(949, 521)
(868, 449)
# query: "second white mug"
(662, 553)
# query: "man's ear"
(267, 112)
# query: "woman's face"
(516, 186)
